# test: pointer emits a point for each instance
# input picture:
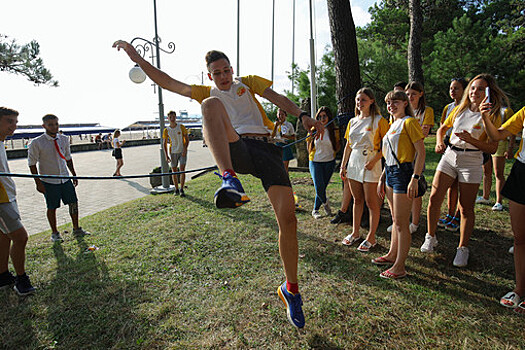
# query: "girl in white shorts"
(463, 160)
(361, 166)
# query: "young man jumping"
(237, 131)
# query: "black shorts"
(117, 153)
(261, 159)
(514, 188)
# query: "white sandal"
(349, 240)
(510, 300)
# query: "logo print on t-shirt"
(477, 127)
(369, 128)
(241, 90)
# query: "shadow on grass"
(86, 307)
(15, 309)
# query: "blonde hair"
(374, 108)
(116, 133)
(497, 95)
(400, 96)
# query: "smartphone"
(487, 93)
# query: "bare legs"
(120, 164)
(517, 219)
(400, 206)
(366, 191)
(281, 198)
(13, 244)
(442, 182)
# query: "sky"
(75, 40)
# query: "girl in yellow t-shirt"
(400, 144)
(451, 221)
(463, 160)
(361, 166)
(514, 190)
(425, 116)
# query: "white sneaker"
(327, 208)
(481, 200)
(497, 207)
(429, 244)
(413, 228)
(461, 259)
(511, 250)
(316, 214)
(390, 228)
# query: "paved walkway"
(97, 195)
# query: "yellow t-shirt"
(514, 125)
(175, 137)
(401, 136)
(361, 134)
(427, 118)
(471, 122)
(245, 112)
(325, 151)
(446, 111)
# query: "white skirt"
(355, 169)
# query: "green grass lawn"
(177, 273)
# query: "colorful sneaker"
(453, 225)
(481, 200)
(443, 222)
(294, 304)
(7, 280)
(429, 244)
(461, 259)
(23, 285)
(230, 194)
(316, 214)
(81, 232)
(497, 207)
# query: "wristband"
(415, 176)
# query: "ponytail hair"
(400, 96)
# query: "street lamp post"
(141, 49)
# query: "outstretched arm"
(291, 108)
(159, 77)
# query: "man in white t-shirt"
(52, 153)
(177, 136)
(237, 132)
(13, 235)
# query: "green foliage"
(24, 60)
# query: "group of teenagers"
(239, 136)
(476, 125)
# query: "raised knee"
(209, 104)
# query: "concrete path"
(97, 195)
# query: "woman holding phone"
(514, 190)
(463, 160)
(399, 179)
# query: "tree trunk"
(300, 132)
(344, 42)
(415, 62)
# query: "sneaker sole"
(23, 294)
(287, 307)
(230, 198)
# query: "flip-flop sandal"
(510, 300)
(520, 309)
(365, 246)
(380, 261)
(349, 240)
(390, 275)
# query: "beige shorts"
(355, 169)
(467, 167)
(503, 147)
